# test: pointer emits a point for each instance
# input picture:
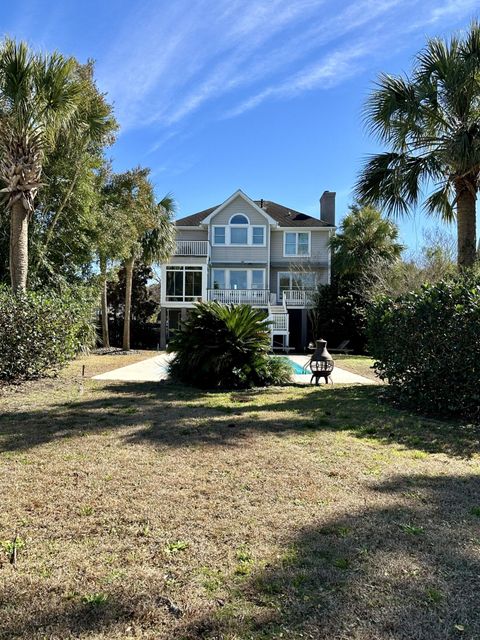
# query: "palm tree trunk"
(128, 302)
(466, 225)
(18, 247)
(104, 303)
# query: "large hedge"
(427, 345)
(41, 331)
(220, 346)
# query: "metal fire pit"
(321, 363)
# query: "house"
(255, 252)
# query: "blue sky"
(266, 96)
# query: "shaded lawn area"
(156, 511)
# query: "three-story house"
(254, 252)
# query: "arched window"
(239, 218)
(239, 229)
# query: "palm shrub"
(225, 346)
(426, 345)
(41, 331)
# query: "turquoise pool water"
(297, 368)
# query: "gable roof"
(284, 216)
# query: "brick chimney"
(327, 207)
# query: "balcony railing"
(298, 297)
(191, 248)
(279, 322)
(256, 297)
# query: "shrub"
(426, 344)
(220, 346)
(41, 331)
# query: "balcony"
(191, 248)
(298, 297)
(254, 297)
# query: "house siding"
(191, 234)
(318, 249)
(231, 254)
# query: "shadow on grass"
(165, 414)
(408, 570)
(68, 616)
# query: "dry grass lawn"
(158, 512)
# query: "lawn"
(153, 511)
(362, 365)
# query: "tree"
(155, 245)
(364, 244)
(69, 204)
(39, 96)
(149, 235)
(430, 122)
(364, 239)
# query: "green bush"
(41, 331)
(426, 344)
(220, 346)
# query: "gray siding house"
(254, 252)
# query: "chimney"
(327, 207)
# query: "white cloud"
(171, 59)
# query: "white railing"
(279, 322)
(298, 297)
(258, 297)
(191, 248)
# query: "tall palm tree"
(156, 245)
(38, 98)
(364, 240)
(431, 123)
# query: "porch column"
(304, 328)
(163, 328)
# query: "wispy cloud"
(170, 60)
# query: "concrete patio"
(156, 369)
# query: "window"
(305, 280)
(258, 279)
(239, 218)
(218, 235)
(238, 279)
(184, 284)
(175, 284)
(218, 279)
(297, 244)
(258, 235)
(238, 235)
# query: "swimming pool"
(298, 370)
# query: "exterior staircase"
(278, 316)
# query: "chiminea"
(321, 363)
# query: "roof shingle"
(285, 216)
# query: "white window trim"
(228, 240)
(228, 270)
(239, 224)
(297, 255)
(182, 268)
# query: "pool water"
(297, 368)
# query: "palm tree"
(38, 98)
(431, 123)
(363, 240)
(155, 245)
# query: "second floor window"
(239, 232)
(296, 244)
(218, 235)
